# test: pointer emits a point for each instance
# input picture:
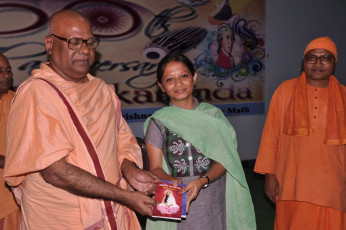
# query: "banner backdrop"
(225, 39)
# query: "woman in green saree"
(193, 143)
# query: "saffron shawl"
(297, 116)
(210, 131)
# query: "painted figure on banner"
(225, 41)
(235, 52)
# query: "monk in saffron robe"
(74, 162)
(9, 210)
(302, 150)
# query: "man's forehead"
(4, 62)
(320, 51)
(77, 29)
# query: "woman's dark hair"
(176, 57)
(166, 198)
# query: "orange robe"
(307, 170)
(8, 205)
(47, 134)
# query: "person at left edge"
(9, 210)
(59, 184)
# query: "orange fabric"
(11, 221)
(297, 116)
(307, 169)
(322, 43)
(292, 215)
(48, 134)
(7, 202)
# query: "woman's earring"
(194, 90)
(164, 96)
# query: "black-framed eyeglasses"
(324, 59)
(76, 43)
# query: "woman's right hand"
(192, 190)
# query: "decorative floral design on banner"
(234, 50)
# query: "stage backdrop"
(225, 39)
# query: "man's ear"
(48, 42)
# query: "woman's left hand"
(192, 190)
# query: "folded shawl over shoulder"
(210, 131)
(297, 116)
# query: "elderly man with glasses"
(303, 145)
(72, 160)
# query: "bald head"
(5, 75)
(64, 18)
(3, 57)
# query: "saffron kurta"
(307, 169)
(7, 203)
(47, 134)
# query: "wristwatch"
(208, 183)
